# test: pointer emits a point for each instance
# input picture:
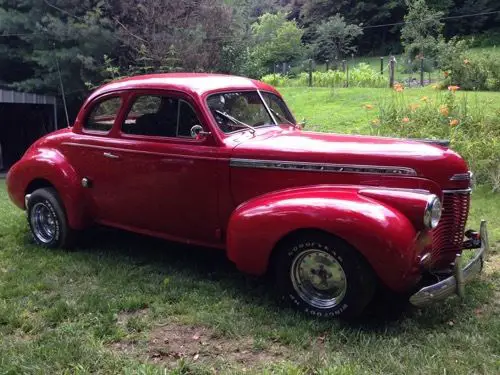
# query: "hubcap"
(43, 222)
(318, 278)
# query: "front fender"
(49, 165)
(382, 234)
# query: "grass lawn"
(122, 303)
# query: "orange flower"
(368, 107)
(398, 87)
(446, 74)
(466, 61)
(413, 107)
(376, 121)
(424, 99)
(453, 88)
(454, 122)
(405, 120)
(444, 110)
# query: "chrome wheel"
(318, 278)
(43, 222)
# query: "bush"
(361, 76)
(467, 69)
(462, 120)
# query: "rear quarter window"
(103, 115)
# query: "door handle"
(110, 155)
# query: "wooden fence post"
(327, 64)
(343, 65)
(392, 65)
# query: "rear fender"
(382, 234)
(49, 165)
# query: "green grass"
(111, 305)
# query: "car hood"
(430, 161)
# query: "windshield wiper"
(236, 121)
(281, 117)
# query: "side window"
(160, 116)
(103, 115)
(152, 115)
(187, 119)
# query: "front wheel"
(47, 219)
(323, 276)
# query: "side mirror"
(198, 132)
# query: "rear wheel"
(48, 220)
(323, 276)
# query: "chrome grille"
(448, 236)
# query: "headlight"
(432, 212)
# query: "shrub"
(461, 119)
(467, 69)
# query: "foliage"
(275, 40)
(335, 37)
(470, 71)
(74, 35)
(474, 134)
(360, 76)
(194, 32)
(422, 30)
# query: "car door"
(88, 153)
(165, 179)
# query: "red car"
(220, 161)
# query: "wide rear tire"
(323, 276)
(48, 220)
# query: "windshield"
(234, 110)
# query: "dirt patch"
(168, 343)
(172, 342)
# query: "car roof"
(194, 83)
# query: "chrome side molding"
(321, 167)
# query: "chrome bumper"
(455, 283)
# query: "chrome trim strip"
(461, 176)
(321, 167)
(458, 191)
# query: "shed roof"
(10, 96)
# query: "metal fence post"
(382, 65)
(310, 72)
(422, 71)
(343, 65)
(347, 75)
(327, 65)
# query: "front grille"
(448, 236)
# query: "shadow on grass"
(387, 310)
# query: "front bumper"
(455, 283)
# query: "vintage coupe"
(220, 161)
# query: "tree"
(195, 31)
(72, 33)
(422, 30)
(275, 40)
(334, 37)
